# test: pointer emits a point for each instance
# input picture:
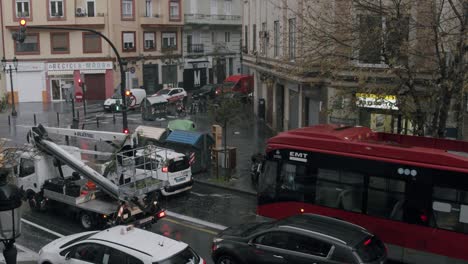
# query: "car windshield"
(116, 95)
(228, 84)
(187, 256)
(163, 91)
(80, 238)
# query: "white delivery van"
(135, 97)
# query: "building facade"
(147, 34)
(343, 63)
(212, 34)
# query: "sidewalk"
(25, 256)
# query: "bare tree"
(413, 49)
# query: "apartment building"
(338, 61)
(147, 34)
(212, 34)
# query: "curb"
(250, 193)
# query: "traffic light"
(80, 82)
(126, 131)
(20, 35)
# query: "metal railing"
(195, 48)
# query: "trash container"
(230, 162)
(261, 108)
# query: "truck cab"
(241, 83)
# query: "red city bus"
(410, 191)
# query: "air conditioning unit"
(80, 12)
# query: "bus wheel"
(86, 220)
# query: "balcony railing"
(206, 18)
(195, 48)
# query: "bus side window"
(26, 167)
(385, 198)
(447, 204)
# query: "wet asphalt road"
(203, 202)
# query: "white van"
(135, 98)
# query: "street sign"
(79, 96)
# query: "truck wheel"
(86, 220)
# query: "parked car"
(172, 94)
(208, 91)
(243, 84)
(120, 244)
(300, 239)
(134, 100)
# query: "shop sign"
(376, 101)
(87, 65)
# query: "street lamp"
(10, 71)
(10, 216)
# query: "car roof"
(331, 228)
(155, 246)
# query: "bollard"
(97, 121)
(113, 117)
(78, 115)
(58, 119)
(82, 126)
(95, 149)
(67, 140)
(35, 123)
(9, 121)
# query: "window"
(127, 9)
(91, 43)
(26, 167)
(30, 44)
(450, 208)
(149, 40)
(227, 7)
(114, 256)
(254, 37)
(246, 33)
(339, 189)
(169, 74)
(214, 7)
(56, 8)
(59, 43)
(128, 41)
(378, 35)
(90, 7)
(185, 256)
(370, 39)
(386, 197)
(194, 7)
(272, 239)
(22, 8)
(292, 38)
(174, 10)
(264, 38)
(297, 183)
(308, 245)
(169, 40)
(277, 38)
(89, 252)
(227, 37)
(148, 8)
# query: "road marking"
(212, 195)
(196, 220)
(41, 227)
(190, 226)
(25, 249)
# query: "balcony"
(212, 19)
(145, 19)
(84, 19)
(195, 48)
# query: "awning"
(93, 71)
(59, 73)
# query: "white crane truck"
(54, 175)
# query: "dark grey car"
(305, 238)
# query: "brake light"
(367, 242)
(302, 210)
(164, 169)
(161, 214)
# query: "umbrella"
(181, 124)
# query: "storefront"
(380, 113)
(63, 80)
(195, 74)
(28, 82)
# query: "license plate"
(179, 179)
(146, 220)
